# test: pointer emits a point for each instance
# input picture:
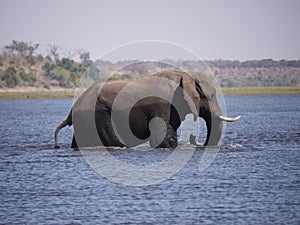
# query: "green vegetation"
(30, 78)
(13, 77)
(21, 67)
(10, 76)
(252, 73)
(65, 71)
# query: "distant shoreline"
(260, 90)
(22, 94)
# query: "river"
(254, 179)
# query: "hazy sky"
(224, 29)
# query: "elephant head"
(200, 95)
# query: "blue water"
(254, 179)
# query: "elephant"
(124, 113)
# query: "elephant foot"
(168, 145)
(74, 143)
(170, 141)
(193, 139)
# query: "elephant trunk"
(214, 131)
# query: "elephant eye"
(209, 97)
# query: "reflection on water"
(253, 180)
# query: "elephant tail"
(66, 122)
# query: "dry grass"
(56, 94)
(261, 90)
(18, 95)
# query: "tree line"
(264, 63)
(21, 65)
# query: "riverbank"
(260, 90)
(69, 93)
(36, 94)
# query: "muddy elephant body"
(123, 113)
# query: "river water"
(254, 179)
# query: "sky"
(212, 29)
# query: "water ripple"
(253, 180)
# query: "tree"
(66, 71)
(30, 78)
(32, 48)
(53, 52)
(93, 72)
(84, 57)
(21, 48)
(69, 53)
(11, 77)
(60, 74)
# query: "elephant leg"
(109, 138)
(105, 130)
(106, 135)
(74, 143)
(170, 140)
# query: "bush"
(40, 58)
(28, 77)
(47, 68)
(67, 64)
(11, 77)
(67, 72)
(30, 59)
(60, 74)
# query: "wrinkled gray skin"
(187, 95)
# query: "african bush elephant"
(123, 113)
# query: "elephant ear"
(191, 94)
(204, 84)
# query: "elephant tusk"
(228, 119)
